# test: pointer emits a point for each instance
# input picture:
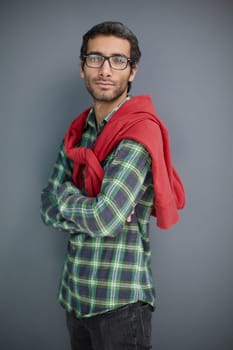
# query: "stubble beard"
(106, 96)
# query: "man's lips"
(104, 83)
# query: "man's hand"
(129, 218)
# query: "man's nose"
(106, 69)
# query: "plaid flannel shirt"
(108, 258)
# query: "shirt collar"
(91, 115)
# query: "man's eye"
(118, 59)
(94, 58)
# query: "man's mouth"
(104, 83)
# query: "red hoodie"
(136, 119)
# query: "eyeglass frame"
(129, 60)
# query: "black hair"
(117, 29)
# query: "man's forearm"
(97, 217)
(51, 216)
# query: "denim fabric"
(126, 328)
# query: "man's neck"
(102, 109)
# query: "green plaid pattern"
(108, 258)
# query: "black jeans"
(126, 328)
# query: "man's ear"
(81, 70)
(133, 73)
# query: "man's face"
(106, 84)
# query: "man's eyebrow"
(94, 53)
(101, 54)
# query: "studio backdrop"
(187, 68)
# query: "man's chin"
(107, 96)
(104, 98)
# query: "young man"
(113, 172)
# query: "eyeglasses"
(118, 62)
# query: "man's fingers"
(129, 218)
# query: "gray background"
(187, 68)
